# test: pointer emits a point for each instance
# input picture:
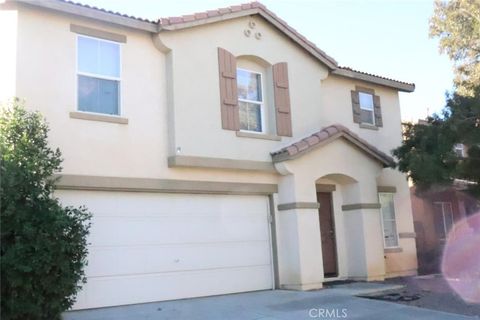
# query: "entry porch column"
(363, 231)
(298, 235)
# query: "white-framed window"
(443, 218)
(459, 150)
(366, 108)
(389, 222)
(250, 100)
(98, 75)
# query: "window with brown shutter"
(355, 107)
(282, 99)
(366, 108)
(377, 110)
(227, 67)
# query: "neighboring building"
(219, 152)
(435, 213)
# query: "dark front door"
(327, 230)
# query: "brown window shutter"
(356, 107)
(227, 67)
(282, 99)
(377, 110)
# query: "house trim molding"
(98, 117)
(96, 33)
(387, 189)
(358, 206)
(219, 163)
(407, 235)
(325, 187)
(244, 134)
(393, 250)
(298, 205)
(99, 183)
(368, 126)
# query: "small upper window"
(366, 108)
(250, 100)
(98, 75)
(388, 220)
(459, 150)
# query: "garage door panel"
(152, 204)
(170, 286)
(151, 247)
(106, 261)
(178, 229)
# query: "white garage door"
(150, 247)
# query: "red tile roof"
(209, 13)
(108, 11)
(204, 16)
(327, 135)
(374, 75)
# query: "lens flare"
(461, 258)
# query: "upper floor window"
(366, 108)
(250, 100)
(98, 75)
(388, 219)
(254, 96)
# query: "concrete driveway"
(339, 302)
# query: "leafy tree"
(427, 152)
(43, 245)
(457, 24)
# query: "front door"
(327, 230)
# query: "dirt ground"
(431, 292)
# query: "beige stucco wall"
(171, 100)
(405, 262)
(140, 146)
(317, 99)
(138, 149)
(198, 75)
(8, 53)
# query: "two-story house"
(219, 152)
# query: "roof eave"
(400, 86)
(92, 13)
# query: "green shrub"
(43, 245)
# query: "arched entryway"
(354, 205)
(331, 222)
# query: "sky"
(383, 37)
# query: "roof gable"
(256, 8)
(247, 9)
(325, 136)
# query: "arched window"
(255, 95)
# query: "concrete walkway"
(339, 302)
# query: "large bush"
(43, 245)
